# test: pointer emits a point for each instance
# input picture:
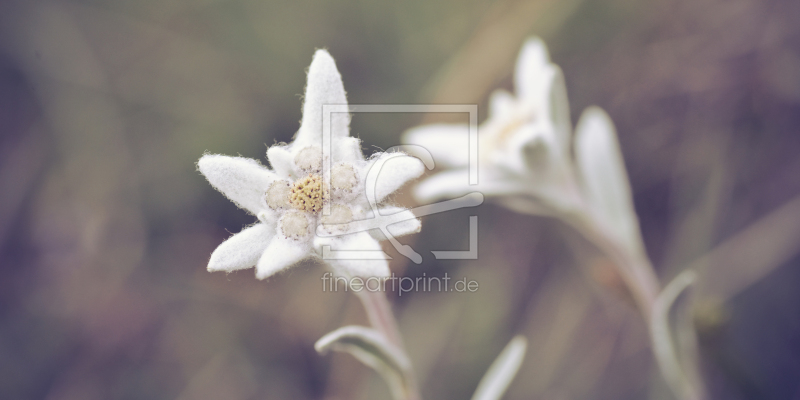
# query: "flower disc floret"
(278, 194)
(307, 194)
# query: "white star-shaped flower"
(525, 151)
(289, 199)
(523, 147)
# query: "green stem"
(380, 315)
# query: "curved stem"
(380, 315)
(636, 270)
(640, 278)
(683, 379)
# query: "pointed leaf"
(494, 384)
(666, 352)
(371, 348)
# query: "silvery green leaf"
(371, 348)
(684, 384)
(502, 371)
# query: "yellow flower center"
(307, 194)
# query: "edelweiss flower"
(525, 155)
(289, 199)
(523, 146)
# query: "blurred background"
(106, 227)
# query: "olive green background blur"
(106, 227)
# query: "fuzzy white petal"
(243, 180)
(352, 264)
(603, 174)
(501, 102)
(541, 83)
(526, 205)
(555, 105)
(241, 250)
(347, 149)
(281, 160)
(281, 254)
(388, 172)
(534, 151)
(533, 59)
(447, 143)
(455, 183)
(324, 87)
(514, 155)
(406, 222)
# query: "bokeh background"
(106, 227)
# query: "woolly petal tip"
(541, 83)
(604, 178)
(389, 171)
(555, 104)
(241, 250)
(447, 184)
(355, 255)
(347, 149)
(501, 103)
(532, 60)
(374, 350)
(448, 144)
(281, 160)
(324, 87)
(399, 222)
(242, 180)
(281, 254)
(455, 183)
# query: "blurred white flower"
(525, 153)
(289, 199)
(523, 146)
(526, 163)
